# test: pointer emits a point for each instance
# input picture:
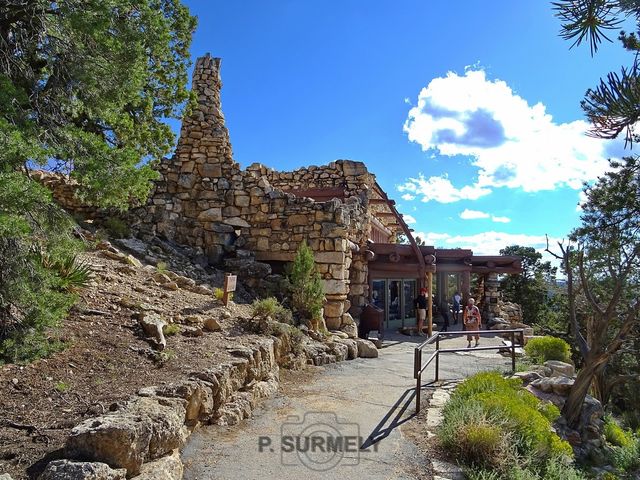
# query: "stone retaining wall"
(142, 437)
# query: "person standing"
(457, 298)
(472, 321)
(421, 308)
(444, 312)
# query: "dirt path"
(362, 403)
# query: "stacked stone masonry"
(205, 200)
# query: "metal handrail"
(418, 367)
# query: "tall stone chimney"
(189, 201)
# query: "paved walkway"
(338, 407)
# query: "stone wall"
(64, 189)
(351, 176)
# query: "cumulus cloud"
(408, 219)
(440, 189)
(467, 214)
(408, 197)
(512, 143)
(490, 243)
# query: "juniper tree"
(85, 88)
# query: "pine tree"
(307, 293)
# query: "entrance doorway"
(395, 297)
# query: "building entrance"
(395, 297)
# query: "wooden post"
(430, 303)
(229, 286)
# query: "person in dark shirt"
(421, 307)
(444, 312)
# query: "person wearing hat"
(421, 307)
(472, 321)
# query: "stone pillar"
(190, 204)
(490, 305)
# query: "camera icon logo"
(319, 441)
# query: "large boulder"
(559, 385)
(70, 470)
(352, 347)
(559, 368)
(165, 468)
(366, 348)
(147, 428)
(122, 441)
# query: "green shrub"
(62, 387)
(627, 458)
(488, 412)
(548, 348)
(74, 275)
(307, 292)
(484, 444)
(162, 267)
(171, 329)
(615, 434)
(265, 307)
(625, 453)
(34, 295)
(117, 227)
(271, 308)
(219, 294)
(549, 411)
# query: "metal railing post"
(513, 352)
(418, 375)
(437, 356)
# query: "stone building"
(205, 200)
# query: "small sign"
(229, 286)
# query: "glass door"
(379, 295)
(394, 318)
(409, 294)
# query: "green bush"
(548, 348)
(218, 293)
(117, 227)
(36, 246)
(271, 308)
(171, 329)
(307, 292)
(488, 412)
(615, 434)
(484, 444)
(627, 458)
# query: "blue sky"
(469, 116)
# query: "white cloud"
(440, 189)
(408, 219)
(467, 214)
(490, 243)
(408, 197)
(582, 198)
(511, 143)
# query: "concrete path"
(314, 428)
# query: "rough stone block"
(70, 470)
(211, 215)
